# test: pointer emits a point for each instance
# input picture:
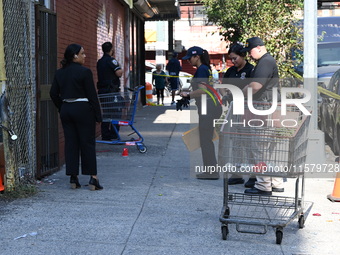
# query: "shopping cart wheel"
(142, 148)
(301, 221)
(225, 232)
(279, 235)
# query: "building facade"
(35, 34)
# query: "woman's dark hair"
(236, 48)
(71, 50)
(205, 58)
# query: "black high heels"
(94, 184)
(74, 182)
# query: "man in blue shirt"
(173, 68)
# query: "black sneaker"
(278, 189)
(250, 183)
(233, 181)
(255, 191)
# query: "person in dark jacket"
(74, 94)
(109, 72)
(173, 67)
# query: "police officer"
(109, 73)
(238, 75)
(264, 78)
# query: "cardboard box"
(191, 139)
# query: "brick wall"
(90, 23)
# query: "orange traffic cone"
(148, 93)
(335, 197)
(125, 152)
(2, 187)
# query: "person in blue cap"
(201, 83)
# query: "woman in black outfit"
(238, 75)
(73, 93)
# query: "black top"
(173, 67)
(238, 78)
(265, 73)
(75, 81)
(106, 71)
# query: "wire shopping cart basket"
(119, 109)
(271, 145)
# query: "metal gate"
(47, 115)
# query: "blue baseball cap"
(193, 51)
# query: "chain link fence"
(18, 16)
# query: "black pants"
(206, 132)
(160, 94)
(79, 124)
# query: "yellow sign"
(150, 35)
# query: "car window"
(328, 29)
(328, 54)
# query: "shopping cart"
(119, 109)
(269, 145)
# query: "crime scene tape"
(296, 75)
(328, 93)
(320, 89)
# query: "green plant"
(274, 22)
(20, 191)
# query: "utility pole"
(316, 141)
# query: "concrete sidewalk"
(151, 204)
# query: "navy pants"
(206, 132)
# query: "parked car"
(328, 61)
(184, 77)
(329, 113)
(328, 44)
